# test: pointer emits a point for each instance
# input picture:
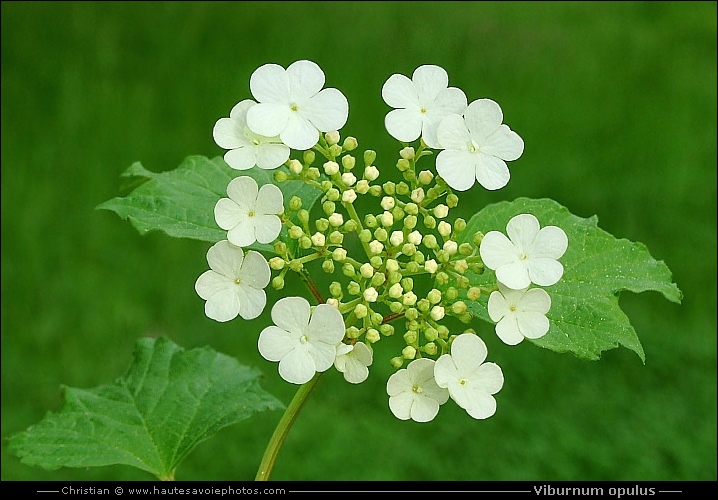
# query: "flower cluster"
(374, 258)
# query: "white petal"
(491, 172)
(299, 133)
(268, 119)
(242, 158)
(225, 258)
(326, 325)
(297, 367)
(401, 404)
(322, 354)
(255, 270)
(363, 354)
(275, 343)
(522, 229)
(239, 111)
(545, 272)
(497, 306)
(489, 378)
(430, 80)
(399, 382)
(355, 372)
(228, 134)
(532, 325)
(400, 92)
(267, 228)
(210, 283)
(514, 276)
(291, 314)
(227, 214)
(551, 242)
(222, 306)
(483, 117)
(424, 409)
(328, 110)
(269, 200)
(453, 134)
(457, 168)
(243, 234)
(269, 156)
(468, 351)
(243, 191)
(251, 301)
(504, 143)
(270, 83)
(535, 300)
(403, 124)
(445, 371)
(450, 101)
(306, 78)
(497, 250)
(508, 330)
(483, 407)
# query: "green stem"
(280, 433)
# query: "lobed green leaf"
(169, 401)
(586, 318)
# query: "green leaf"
(181, 202)
(585, 315)
(169, 401)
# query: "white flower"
(528, 255)
(477, 147)
(235, 284)
(519, 313)
(413, 392)
(420, 104)
(304, 342)
(250, 212)
(292, 104)
(470, 381)
(353, 361)
(247, 149)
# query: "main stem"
(280, 433)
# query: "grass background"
(616, 103)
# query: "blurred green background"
(616, 103)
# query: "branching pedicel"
(408, 235)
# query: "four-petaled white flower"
(529, 254)
(476, 147)
(293, 105)
(235, 283)
(413, 393)
(250, 212)
(304, 342)
(519, 313)
(420, 104)
(247, 149)
(470, 381)
(354, 361)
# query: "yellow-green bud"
(348, 162)
(407, 284)
(371, 173)
(326, 185)
(339, 254)
(417, 195)
(276, 263)
(348, 178)
(466, 318)
(442, 278)
(430, 349)
(430, 334)
(353, 332)
(381, 234)
(305, 242)
(410, 221)
(360, 311)
(370, 294)
(335, 237)
(463, 282)
(350, 226)
(335, 288)
(402, 188)
(362, 186)
(458, 307)
(378, 279)
(473, 293)
(335, 219)
(396, 291)
(461, 266)
(450, 247)
(429, 222)
(430, 266)
(280, 247)
(369, 157)
(397, 213)
(365, 236)
(397, 362)
(408, 249)
(423, 305)
(443, 331)
(444, 229)
(350, 144)
(313, 173)
(394, 277)
(295, 203)
(476, 239)
(295, 232)
(347, 268)
(396, 307)
(375, 247)
(386, 329)
(409, 176)
(329, 207)
(366, 270)
(375, 261)
(278, 282)
(309, 157)
(434, 296)
(408, 352)
(328, 266)
(372, 335)
(353, 288)
(465, 249)
(376, 318)
(407, 153)
(452, 200)
(388, 202)
(413, 267)
(370, 220)
(441, 211)
(411, 336)
(409, 299)
(392, 265)
(333, 194)
(425, 176)
(332, 137)
(403, 164)
(322, 224)
(451, 293)
(335, 150)
(280, 176)
(389, 188)
(349, 196)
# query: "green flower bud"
(335, 150)
(402, 188)
(303, 216)
(381, 234)
(443, 331)
(333, 194)
(459, 225)
(473, 293)
(452, 200)
(372, 335)
(409, 176)
(423, 305)
(276, 263)
(360, 311)
(365, 236)
(443, 256)
(280, 176)
(328, 266)
(389, 188)
(396, 307)
(408, 352)
(462, 282)
(409, 299)
(378, 279)
(353, 332)
(370, 221)
(413, 267)
(386, 329)
(335, 288)
(417, 195)
(476, 239)
(366, 270)
(451, 293)
(369, 157)
(458, 307)
(410, 221)
(371, 173)
(329, 207)
(419, 258)
(466, 318)
(350, 144)
(461, 266)
(348, 162)
(407, 284)
(353, 288)
(335, 237)
(296, 265)
(376, 318)
(431, 334)
(339, 254)
(412, 314)
(322, 224)
(375, 190)
(465, 249)
(407, 153)
(397, 362)
(350, 226)
(429, 222)
(442, 278)
(411, 337)
(295, 203)
(295, 166)
(362, 186)
(280, 247)
(332, 137)
(313, 173)
(326, 185)
(397, 213)
(347, 268)
(425, 177)
(376, 261)
(278, 282)
(295, 232)
(305, 242)
(430, 349)
(403, 165)
(309, 157)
